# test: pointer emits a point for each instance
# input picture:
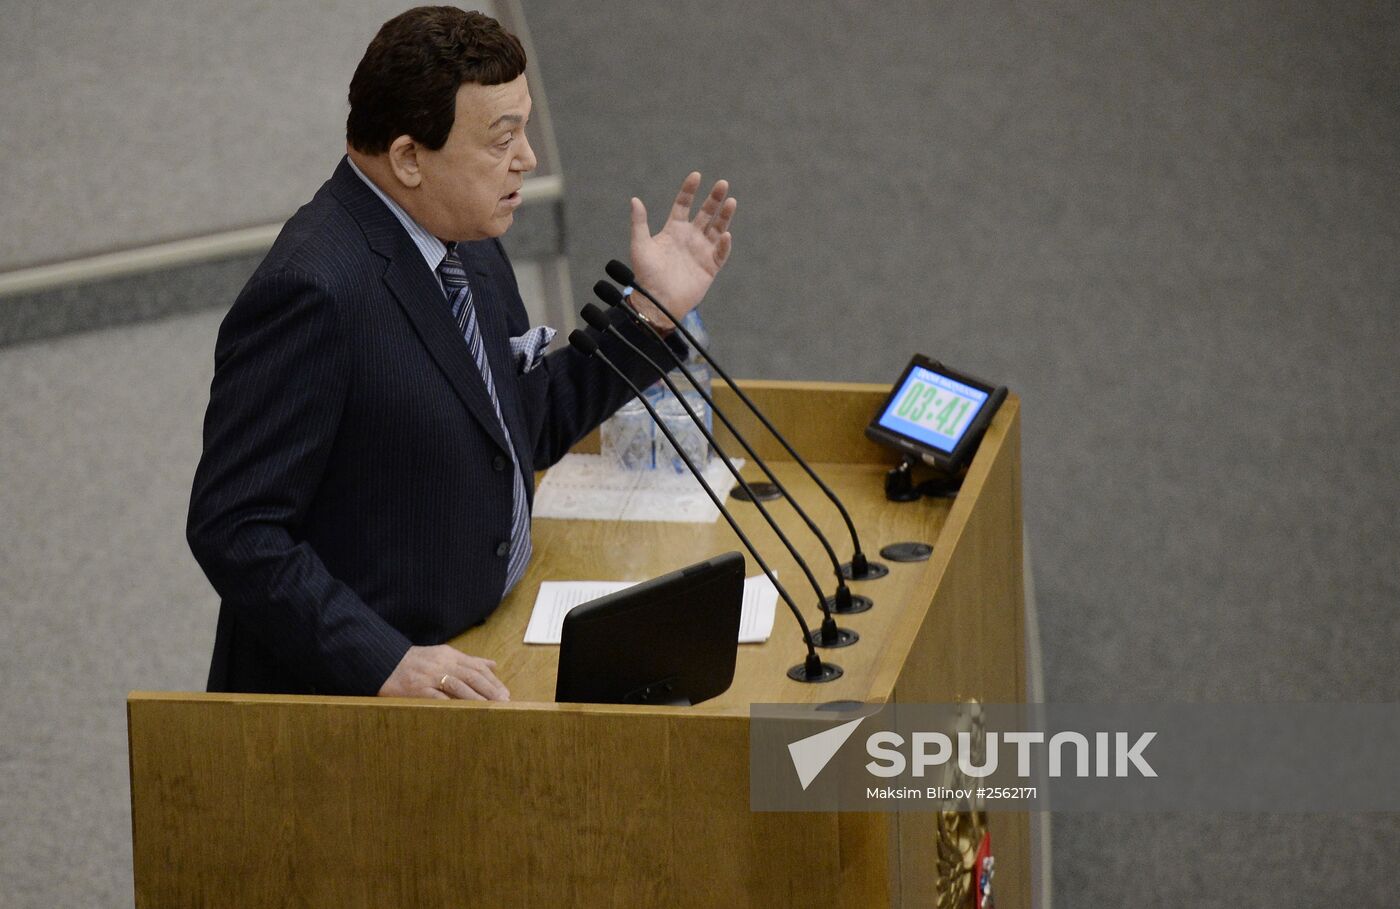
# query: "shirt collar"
(433, 249)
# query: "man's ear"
(403, 161)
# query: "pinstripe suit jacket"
(355, 486)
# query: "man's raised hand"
(679, 263)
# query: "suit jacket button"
(499, 463)
(503, 550)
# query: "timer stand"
(901, 487)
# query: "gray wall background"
(1173, 229)
(143, 121)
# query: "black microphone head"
(607, 293)
(595, 317)
(620, 273)
(583, 343)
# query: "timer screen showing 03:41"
(933, 409)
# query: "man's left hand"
(680, 262)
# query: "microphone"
(859, 568)
(843, 602)
(812, 669)
(830, 635)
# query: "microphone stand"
(843, 603)
(813, 669)
(859, 568)
(830, 635)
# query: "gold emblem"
(960, 830)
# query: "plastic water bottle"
(692, 440)
(631, 439)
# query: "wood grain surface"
(245, 800)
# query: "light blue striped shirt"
(527, 349)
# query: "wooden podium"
(258, 800)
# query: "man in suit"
(379, 403)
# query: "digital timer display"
(933, 409)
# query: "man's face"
(471, 186)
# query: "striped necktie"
(459, 295)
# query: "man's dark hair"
(407, 81)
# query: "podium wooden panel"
(257, 800)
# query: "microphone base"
(858, 604)
(764, 492)
(912, 551)
(826, 672)
(844, 637)
(875, 570)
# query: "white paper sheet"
(588, 487)
(556, 598)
